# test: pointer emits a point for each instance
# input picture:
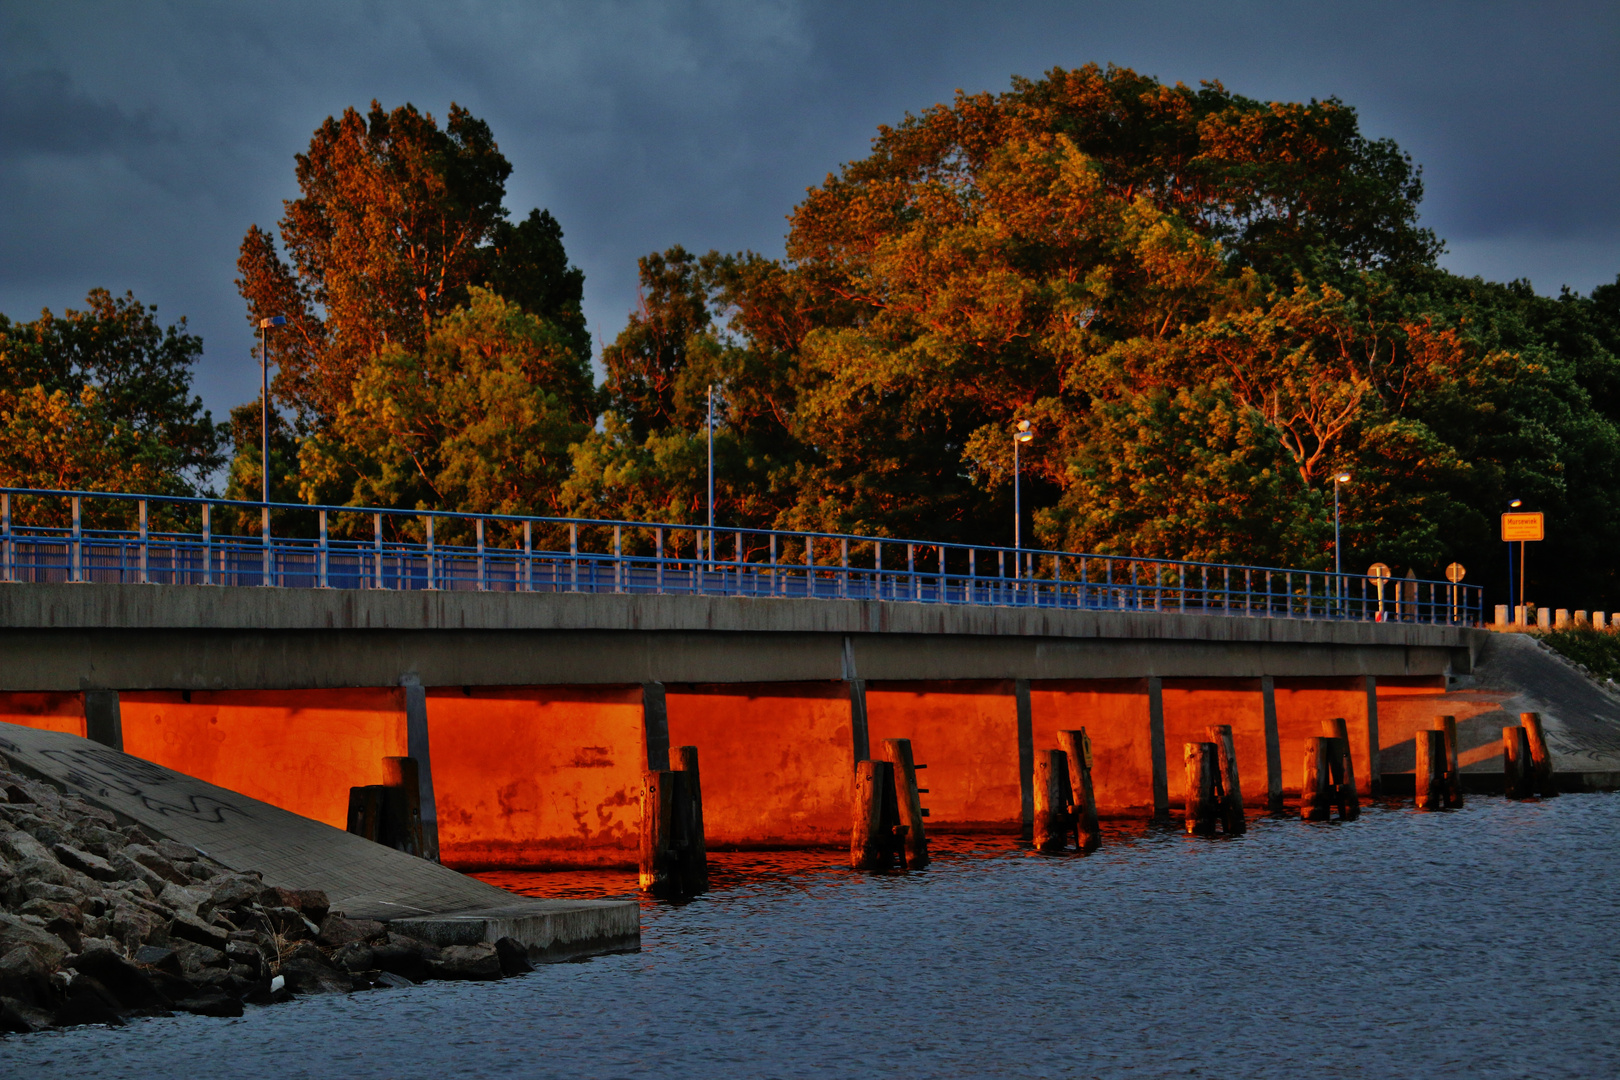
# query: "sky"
(139, 141)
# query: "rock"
(230, 891)
(387, 980)
(18, 846)
(93, 866)
(210, 1002)
(401, 960)
(194, 957)
(174, 852)
(466, 962)
(354, 957)
(86, 1001)
(514, 956)
(337, 930)
(198, 902)
(98, 841)
(312, 903)
(134, 834)
(14, 931)
(135, 926)
(307, 976)
(186, 927)
(132, 987)
(130, 870)
(90, 903)
(53, 910)
(15, 794)
(159, 957)
(290, 923)
(21, 1018)
(246, 954)
(149, 858)
(25, 975)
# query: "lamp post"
(711, 471)
(1021, 434)
(1514, 504)
(265, 326)
(1338, 576)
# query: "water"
(1478, 943)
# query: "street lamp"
(1514, 504)
(711, 472)
(264, 398)
(1338, 576)
(1021, 434)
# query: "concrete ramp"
(362, 879)
(1580, 716)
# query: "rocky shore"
(101, 922)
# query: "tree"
(396, 222)
(101, 400)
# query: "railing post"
(773, 564)
(267, 576)
(911, 571)
(843, 567)
(77, 573)
(618, 562)
(208, 544)
(322, 580)
(809, 566)
(528, 556)
(377, 523)
(658, 553)
(145, 564)
(943, 597)
(973, 575)
(482, 583)
(10, 557)
(432, 571)
(573, 558)
(877, 567)
(739, 545)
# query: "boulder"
(14, 931)
(174, 852)
(161, 958)
(135, 926)
(25, 975)
(21, 1018)
(312, 903)
(401, 960)
(194, 957)
(184, 927)
(387, 980)
(289, 923)
(337, 930)
(130, 870)
(210, 1001)
(246, 954)
(163, 868)
(92, 866)
(90, 903)
(86, 1001)
(198, 902)
(514, 956)
(466, 962)
(18, 846)
(305, 975)
(231, 891)
(132, 987)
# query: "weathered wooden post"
(657, 827)
(909, 798)
(1051, 833)
(1541, 771)
(1448, 725)
(1343, 770)
(1313, 790)
(1231, 792)
(1429, 777)
(1076, 747)
(1203, 770)
(876, 834)
(691, 850)
(401, 826)
(1516, 781)
(366, 811)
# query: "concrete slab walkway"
(362, 879)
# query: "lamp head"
(273, 320)
(1023, 433)
(1516, 503)
(1342, 478)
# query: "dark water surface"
(1482, 942)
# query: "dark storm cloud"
(138, 142)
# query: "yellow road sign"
(1378, 572)
(1455, 572)
(1524, 526)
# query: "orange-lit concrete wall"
(777, 760)
(1302, 705)
(50, 712)
(300, 750)
(967, 735)
(537, 776)
(1407, 705)
(1191, 705)
(1114, 713)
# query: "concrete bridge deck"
(533, 715)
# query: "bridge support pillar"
(416, 744)
(1375, 778)
(1274, 788)
(655, 725)
(1026, 756)
(1161, 778)
(103, 722)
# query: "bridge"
(536, 667)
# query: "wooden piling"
(657, 821)
(908, 797)
(876, 835)
(1429, 778)
(687, 839)
(1313, 790)
(1342, 770)
(1231, 792)
(1203, 771)
(1541, 768)
(366, 811)
(1448, 725)
(1051, 832)
(1516, 778)
(1076, 747)
(402, 806)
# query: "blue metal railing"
(401, 549)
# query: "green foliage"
(101, 400)
(1599, 650)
